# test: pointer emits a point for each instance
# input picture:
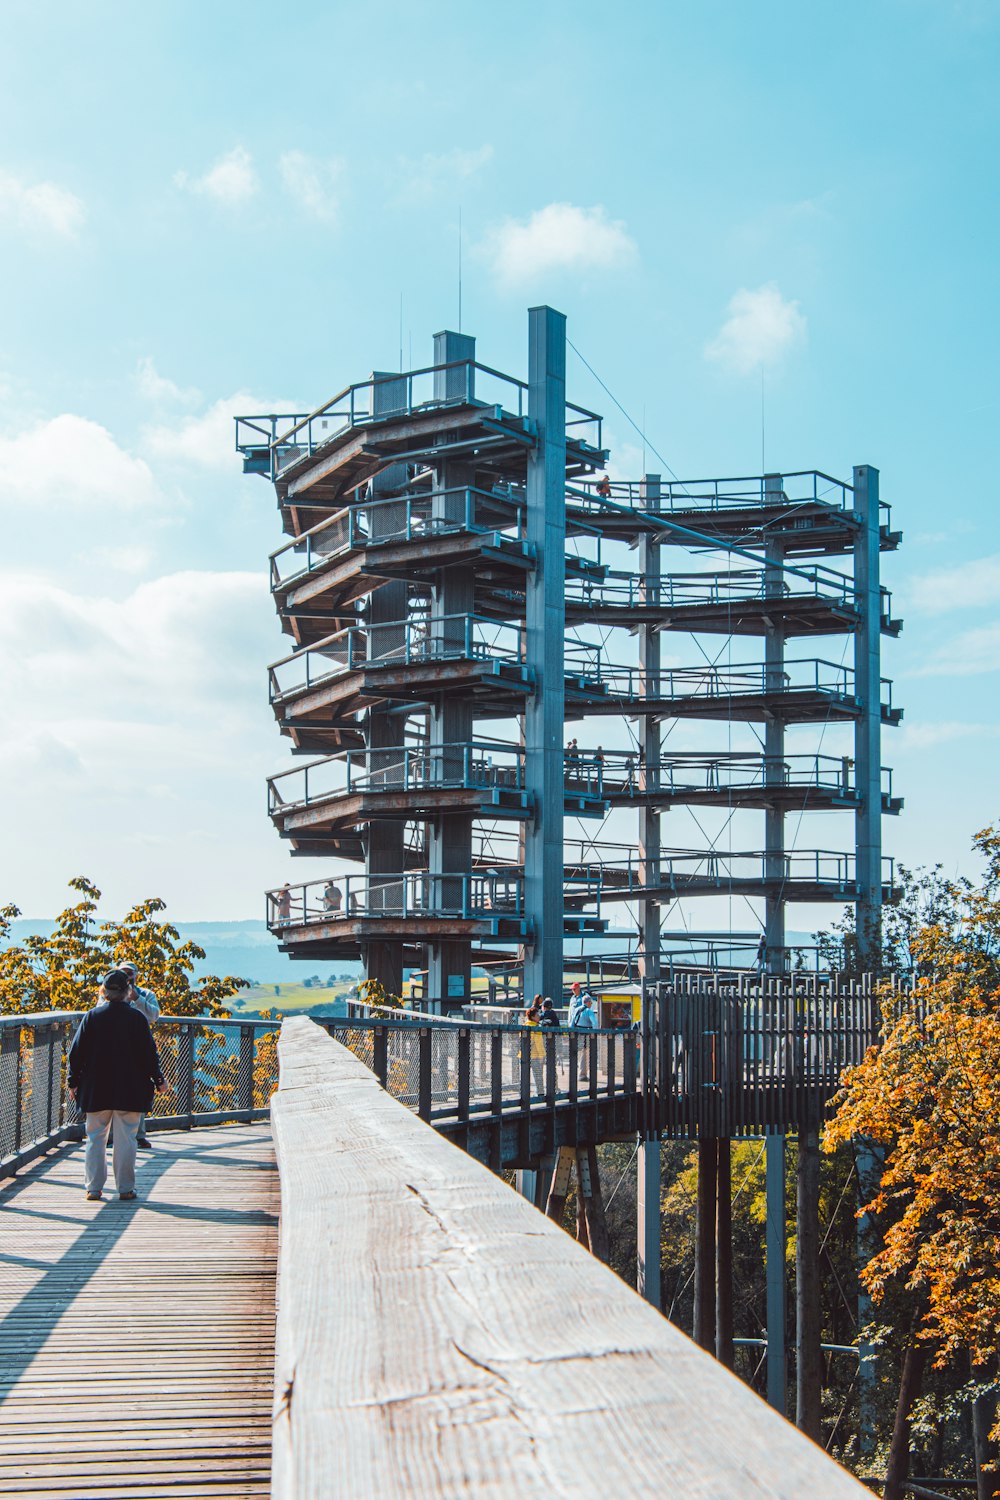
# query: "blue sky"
(210, 209)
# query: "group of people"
(114, 1071)
(582, 1016)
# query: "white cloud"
(160, 391)
(313, 183)
(207, 440)
(761, 327)
(176, 647)
(70, 462)
(928, 736)
(41, 206)
(969, 584)
(128, 558)
(557, 238)
(428, 173)
(232, 180)
(966, 655)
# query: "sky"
(772, 228)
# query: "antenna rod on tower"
(460, 268)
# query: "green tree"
(64, 970)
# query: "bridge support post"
(704, 1247)
(545, 633)
(724, 1255)
(648, 1221)
(808, 1328)
(868, 1165)
(776, 1239)
(526, 1183)
(589, 1195)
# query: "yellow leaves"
(929, 1093)
(63, 971)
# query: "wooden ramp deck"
(137, 1339)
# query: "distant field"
(287, 998)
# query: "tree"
(927, 1096)
(64, 970)
(925, 898)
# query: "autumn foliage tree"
(63, 970)
(927, 1097)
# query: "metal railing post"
(424, 1098)
(185, 1070)
(244, 1072)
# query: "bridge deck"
(137, 1339)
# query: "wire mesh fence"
(214, 1071)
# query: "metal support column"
(868, 731)
(545, 588)
(385, 733)
(648, 1221)
(774, 751)
(776, 1246)
(451, 722)
(648, 770)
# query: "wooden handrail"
(437, 1337)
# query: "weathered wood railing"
(438, 1337)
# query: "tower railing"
(375, 523)
(482, 896)
(402, 643)
(288, 439)
(482, 765)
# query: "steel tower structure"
(454, 582)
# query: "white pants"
(95, 1161)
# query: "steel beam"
(775, 1251)
(648, 1221)
(385, 731)
(774, 749)
(451, 718)
(868, 730)
(544, 714)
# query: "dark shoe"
(93, 1197)
(143, 1143)
(127, 1196)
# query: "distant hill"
(246, 949)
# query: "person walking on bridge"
(147, 1002)
(113, 1070)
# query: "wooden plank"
(438, 1337)
(136, 1340)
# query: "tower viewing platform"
(491, 634)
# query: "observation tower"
(500, 656)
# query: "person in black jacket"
(113, 1071)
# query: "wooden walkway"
(137, 1339)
